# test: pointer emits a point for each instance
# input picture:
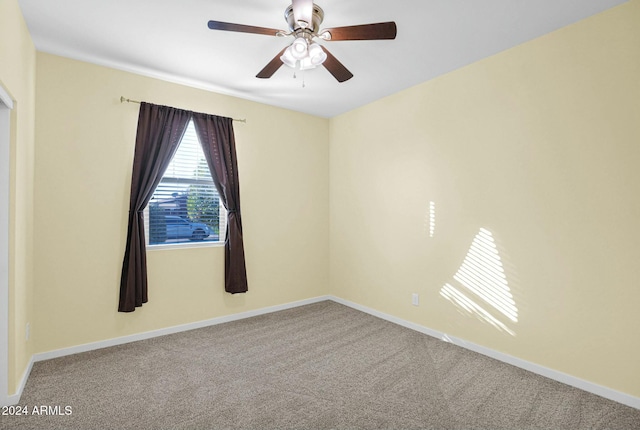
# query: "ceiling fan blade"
(272, 66)
(377, 31)
(227, 26)
(336, 68)
(302, 12)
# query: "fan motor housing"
(316, 19)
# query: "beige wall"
(84, 151)
(540, 145)
(17, 76)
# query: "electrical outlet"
(415, 299)
(27, 331)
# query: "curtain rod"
(123, 99)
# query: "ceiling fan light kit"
(304, 19)
(303, 55)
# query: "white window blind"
(186, 207)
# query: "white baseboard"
(14, 399)
(171, 330)
(573, 381)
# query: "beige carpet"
(319, 366)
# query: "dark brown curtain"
(160, 130)
(218, 144)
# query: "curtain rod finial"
(124, 99)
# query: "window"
(186, 207)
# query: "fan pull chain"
(303, 81)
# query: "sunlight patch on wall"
(429, 225)
(482, 280)
(464, 302)
(432, 218)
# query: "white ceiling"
(169, 39)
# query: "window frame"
(222, 214)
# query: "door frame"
(6, 105)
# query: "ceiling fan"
(304, 18)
